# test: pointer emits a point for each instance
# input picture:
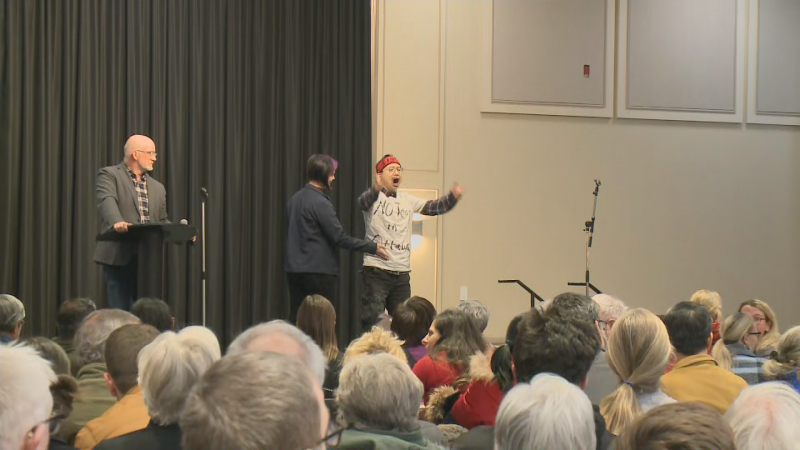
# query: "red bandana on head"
(386, 161)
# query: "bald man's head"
(140, 153)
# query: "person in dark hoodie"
(69, 318)
(315, 235)
(562, 340)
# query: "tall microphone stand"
(204, 197)
(589, 229)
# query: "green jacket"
(92, 400)
(371, 439)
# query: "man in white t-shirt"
(388, 219)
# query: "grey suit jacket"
(117, 202)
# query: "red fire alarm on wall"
(586, 70)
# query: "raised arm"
(369, 197)
(443, 204)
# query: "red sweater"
(435, 373)
(478, 405)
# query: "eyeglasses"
(334, 434)
(151, 154)
(54, 422)
(394, 169)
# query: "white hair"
(11, 312)
(609, 307)
(170, 366)
(478, 311)
(253, 400)
(548, 413)
(379, 391)
(764, 417)
(25, 399)
(205, 335)
(312, 355)
(90, 339)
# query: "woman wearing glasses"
(734, 351)
(766, 324)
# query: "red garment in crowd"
(479, 403)
(434, 373)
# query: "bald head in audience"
(281, 337)
(255, 400)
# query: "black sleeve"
(334, 232)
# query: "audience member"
(764, 417)
(678, 426)
(51, 352)
(602, 381)
(93, 397)
(155, 312)
(281, 337)
(63, 392)
(12, 318)
(411, 321)
(25, 400)
(548, 413)
(317, 318)
(489, 381)
(375, 341)
(712, 302)
(696, 376)
(638, 350)
(255, 400)
(784, 361)
(562, 340)
(451, 341)
(168, 369)
(379, 341)
(129, 414)
(205, 336)
(378, 401)
(734, 351)
(478, 311)
(766, 324)
(68, 319)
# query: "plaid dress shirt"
(141, 194)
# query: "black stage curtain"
(236, 94)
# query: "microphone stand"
(204, 197)
(589, 229)
(534, 295)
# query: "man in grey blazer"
(127, 195)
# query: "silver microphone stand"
(589, 229)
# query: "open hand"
(383, 253)
(121, 227)
(458, 191)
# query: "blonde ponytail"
(784, 361)
(638, 351)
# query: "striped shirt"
(141, 196)
(745, 364)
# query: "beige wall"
(683, 205)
